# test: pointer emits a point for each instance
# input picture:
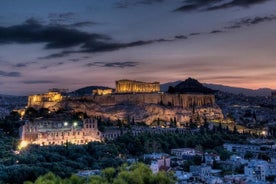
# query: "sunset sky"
(76, 43)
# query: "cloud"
(56, 55)
(20, 65)
(82, 24)
(241, 3)
(194, 34)
(10, 74)
(33, 20)
(127, 3)
(75, 59)
(38, 82)
(60, 37)
(216, 31)
(61, 17)
(250, 21)
(44, 67)
(180, 37)
(53, 36)
(98, 46)
(191, 5)
(125, 64)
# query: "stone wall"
(58, 133)
(131, 86)
(175, 100)
(45, 100)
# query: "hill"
(223, 88)
(190, 85)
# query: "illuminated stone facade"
(45, 100)
(102, 91)
(132, 86)
(58, 133)
(174, 100)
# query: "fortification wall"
(45, 100)
(176, 100)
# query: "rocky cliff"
(145, 108)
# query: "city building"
(201, 171)
(256, 169)
(185, 153)
(158, 161)
(210, 158)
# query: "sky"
(76, 43)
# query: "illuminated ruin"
(59, 133)
(45, 100)
(132, 86)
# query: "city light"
(23, 144)
(65, 123)
(75, 124)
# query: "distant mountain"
(86, 90)
(164, 87)
(237, 90)
(190, 86)
(223, 88)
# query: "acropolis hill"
(141, 101)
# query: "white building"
(181, 153)
(257, 170)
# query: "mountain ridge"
(224, 88)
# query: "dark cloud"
(125, 64)
(191, 5)
(60, 37)
(44, 67)
(75, 60)
(82, 24)
(194, 34)
(251, 21)
(20, 65)
(97, 46)
(10, 74)
(127, 3)
(180, 37)
(38, 82)
(61, 17)
(33, 20)
(60, 63)
(242, 3)
(216, 31)
(53, 36)
(56, 55)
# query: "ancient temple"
(132, 86)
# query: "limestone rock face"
(147, 113)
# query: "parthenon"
(132, 86)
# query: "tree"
(171, 90)
(138, 173)
(109, 174)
